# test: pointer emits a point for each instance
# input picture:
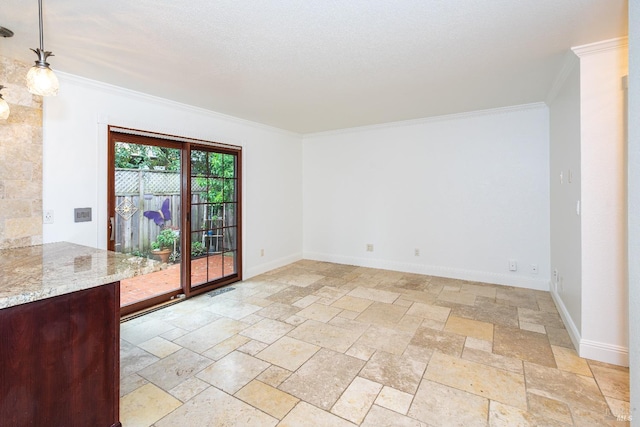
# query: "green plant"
(165, 240)
(197, 249)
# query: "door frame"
(185, 145)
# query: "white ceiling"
(310, 66)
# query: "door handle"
(112, 230)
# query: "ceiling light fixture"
(40, 78)
(4, 107)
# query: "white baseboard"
(271, 265)
(519, 281)
(603, 352)
(588, 349)
(572, 329)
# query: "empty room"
(367, 213)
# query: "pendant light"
(4, 107)
(40, 78)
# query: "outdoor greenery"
(133, 156)
(165, 240)
(212, 171)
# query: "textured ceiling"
(309, 66)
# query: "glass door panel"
(214, 220)
(146, 217)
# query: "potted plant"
(163, 246)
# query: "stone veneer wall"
(20, 160)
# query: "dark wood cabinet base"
(59, 360)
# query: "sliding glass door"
(157, 189)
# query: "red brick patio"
(149, 285)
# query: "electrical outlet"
(47, 217)
(513, 265)
(555, 276)
(534, 268)
(261, 252)
(369, 247)
(417, 252)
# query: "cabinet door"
(59, 360)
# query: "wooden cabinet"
(59, 360)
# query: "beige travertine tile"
(175, 369)
(533, 327)
(394, 399)
(385, 339)
(469, 328)
(568, 360)
(517, 298)
(477, 344)
(559, 337)
(236, 311)
(268, 399)
(204, 338)
(130, 383)
(159, 347)
(382, 417)
(495, 360)
(267, 330)
(439, 405)
(146, 405)
(356, 400)
(374, 294)
(338, 370)
(295, 320)
(402, 373)
(278, 311)
(403, 302)
(352, 303)
(253, 347)
(326, 335)
(133, 359)
(305, 415)
(360, 351)
(213, 407)
(305, 302)
(347, 314)
(488, 311)
(595, 417)
(382, 314)
(457, 297)
(443, 342)
(540, 317)
(618, 408)
(274, 375)
(559, 385)
(483, 380)
(188, 389)
(524, 345)
(288, 353)
(427, 311)
(319, 312)
(501, 415)
(483, 290)
(233, 371)
(549, 408)
(613, 381)
(225, 347)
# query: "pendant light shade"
(40, 78)
(4, 107)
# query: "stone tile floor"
(320, 344)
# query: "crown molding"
(434, 119)
(601, 46)
(169, 103)
(569, 64)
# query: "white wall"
(565, 180)
(604, 193)
(470, 191)
(75, 141)
(634, 208)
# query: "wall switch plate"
(47, 217)
(369, 247)
(82, 215)
(513, 265)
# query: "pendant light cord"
(41, 26)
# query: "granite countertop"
(37, 272)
